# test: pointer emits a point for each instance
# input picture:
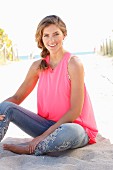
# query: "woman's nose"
(51, 39)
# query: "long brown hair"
(48, 20)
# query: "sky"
(88, 22)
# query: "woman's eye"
(56, 34)
(45, 35)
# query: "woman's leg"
(29, 122)
(67, 136)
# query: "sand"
(99, 156)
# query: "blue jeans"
(67, 136)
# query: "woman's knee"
(76, 134)
(72, 129)
(68, 132)
(4, 106)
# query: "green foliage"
(1, 31)
(5, 47)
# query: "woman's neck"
(55, 58)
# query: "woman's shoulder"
(34, 68)
(75, 67)
(75, 62)
(35, 64)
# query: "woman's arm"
(76, 73)
(28, 85)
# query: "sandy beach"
(99, 156)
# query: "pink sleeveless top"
(53, 97)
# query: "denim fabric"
(67, 136)
(29, 122)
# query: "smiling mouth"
(52, 45)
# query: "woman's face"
(52, 38)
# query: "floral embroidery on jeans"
(43, 147)
(3, 128)
(64, 146)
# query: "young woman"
(65, 118)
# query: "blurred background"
(89, 24)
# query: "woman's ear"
(64, 36)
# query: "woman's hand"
(2, 117)
(34, 143)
